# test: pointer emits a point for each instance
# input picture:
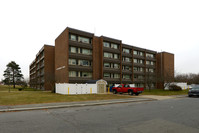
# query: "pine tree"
(12, 74)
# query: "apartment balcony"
(42, 81)
(127, 54)
(80, 56)
(138, 56)
(79, 79)
(42, 57)
(151, 73)
(80, 44)
(111, 60)
(126, 72)
(129, 81)
(32, 73)
(111, 70)
(42, 74)
(151, 58)
(38, 67)
(42, 65)
(38, 75)
(138, 65)
(151, 66)
(126, 63)
(38, 59)
(32, 68)
(139, 72)
(111, 50)
(80, 68)
(38, 82)
(138, 81)
(112, 80)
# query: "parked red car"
(125, 88)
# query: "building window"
(72, 49)
(107, 65)
(84, 63)
(135, 52)
(135, 76)
(107, 75)
(126, 68)
(72, 62)
(139, 85)
(126, 59)
(115, 46)
(140, 69)
(73, 37)
(138, 61)
(149, 55)
(141, 54)
(86, 74)
(83, 39)
(86, 51)
(116, 66)
(116, 56)
(140, 77)
(106, 44)
(150, 70)
(116, 76)
(126, 50)
(126, 76)
(42, 54)
(135, 60)
(135, 69)
(150, 63)
(108, 55)
(72, 73)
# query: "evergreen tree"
(12, 74)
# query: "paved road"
(179, 115)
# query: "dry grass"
(16, 97)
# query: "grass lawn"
(6, 88)
(16, 97)
(164, 92)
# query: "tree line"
(190, 78)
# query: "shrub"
(175, 88)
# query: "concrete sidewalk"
(139, 98)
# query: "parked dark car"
(194, 91)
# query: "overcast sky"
(160, 25)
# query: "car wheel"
(190, 95)
(130, 92)
(136, 94)
(114, 92)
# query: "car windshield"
(126, 86)
(195, 88)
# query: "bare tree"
(165, 79)
(150, 79)
(188, 78)
(50, 80)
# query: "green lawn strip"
(161, 92)
(6, 88)
(35, 97)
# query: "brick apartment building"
(42, 69)
(81, 56)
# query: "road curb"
(75, 105)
